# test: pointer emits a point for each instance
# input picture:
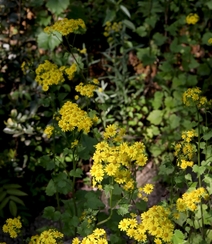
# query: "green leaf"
(17, 200)
(76, 173)
(56, 216)
(178, 237)
(48, 212)
(141, 31)
(88, 146)
(93, 201)
(174, 121)
(199, 169)
(108, 189)
(209, 4)
(141, 205)
(117, 190)
(125, 10)
(16, 192)
(4, 202)
(159, 39)
(206, 37)
(50, 189)
(49, 41)
(74, 221)
(128, 24)
(207, 135)
(193, 64)
(57, 6)
(9, 186)
(158, 99)
(2, 195)
(155, 117)
(148, 59)
(123, 209)
(13, 208)
(110, 16)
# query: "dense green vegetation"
(91, 93)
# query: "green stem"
(199, 176)
(111, 209)
(73, 190)
(58, 208)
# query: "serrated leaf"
(76, 173)
(207, 135)
(56, 216)
(108, 189)
(17, 200)
(178, 237)
(125, 10)
(123, 209)
(49, 41)
(93, 201)
(16, 192)
(155, 117)
(57, 6)
(48, 212)
(13, 208)
(50, 189)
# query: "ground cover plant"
(86, 117)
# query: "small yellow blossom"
(192, 19)
(66, 26)
(210, 40)
(49, 131)
(12, 227)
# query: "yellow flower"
(148, 188)
(192, 19)
(66, 26)
(12, 227)
(124, 224)
(210, 40)
(74, 143)
(48, 131)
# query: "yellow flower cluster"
(12, 227)
(74, 143)
(49, 236)
(98, 237)
(147, 189)
(23, 67)
(48, 74)
(73, 117)
(86, 90)
(155, 222)
(190, 200)
(48, 131)
(83, 51)
(188, 135)
(34, 239)
(70, 71)
(112, 27)
(193, 97)
(210, 40)
(192, 19)
(117, 160)
(66, 26)
(185, 150)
